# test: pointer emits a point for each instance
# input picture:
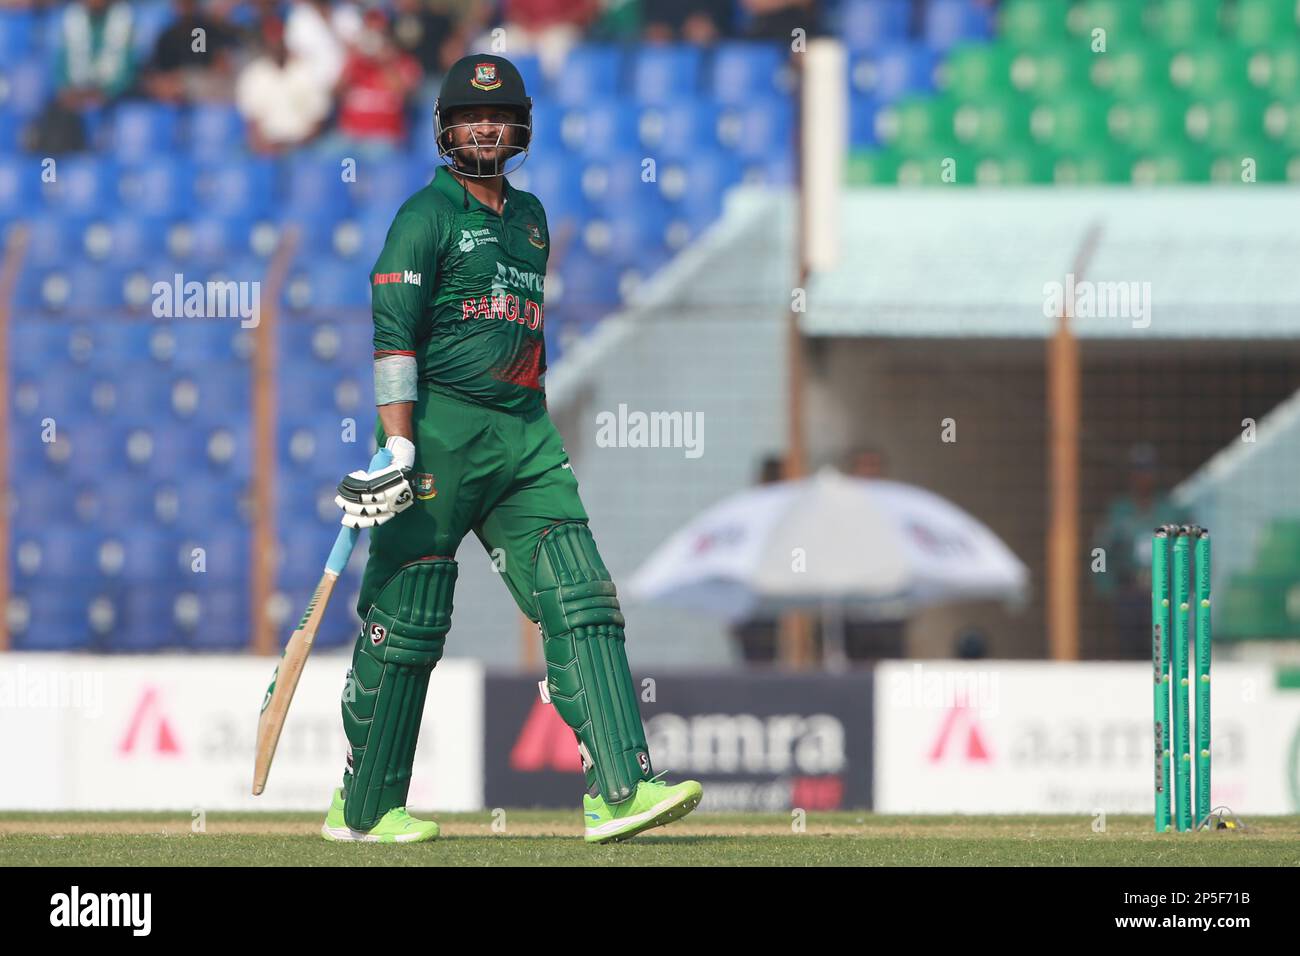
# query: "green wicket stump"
(1174, 620)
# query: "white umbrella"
(881, 547)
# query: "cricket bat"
(275, 705)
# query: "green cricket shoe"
(395, 826)
(653, 805)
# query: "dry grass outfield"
(548, 838)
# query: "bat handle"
(347, 539)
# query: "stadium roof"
(1220, 262)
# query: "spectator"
(281, 97)
(95, 64)
(186, 67)
(1125, 537)
(759, 638)
(318, 36)
(550, 28)
(692, 21)
(376, 81)
(427, 33)
(778, 19)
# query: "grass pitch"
(547, 838)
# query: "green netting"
(1224, 121)
(1014, 168)
(1282, 122)
(1257, 162)
(1150, 121)
(993, 124)
(1275, 70)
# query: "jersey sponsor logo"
(535, 236)
(520, 278)
(471, 239)
(388, 278)
(485, 77)
(506, 307)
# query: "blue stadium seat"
(76, 290)
(145, 620)
(246, 187)
(327, 286)
(211, 238)
(590, 69)
(325, 392)
(868, 23)
(696, 189)
(84, 187)
(310, 182)
(150, 18)
(557, 183)
(345, 344)
(142, 130)
(530, 68)
(741, 70)
(61, 391)
(666, 74)
(758, 128)
(18, 34)
(601, 128)
(225, 554)
(195, 503)
(25, 85)
(947, 22)
(213, 394)
(626, 233)
(11, 125)
(200, 342)
(35, 343)
(44, 553)
(679, 130)
(52, 240)
(213, 618)
(50, 617)
(382, 185)
(125, 239)
(18, 200)
(889, 72)
(588, 283)
(614, 180)
(161, 186)
(313, 449)
(548, 114)
(215, 132)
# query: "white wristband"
(403, 451)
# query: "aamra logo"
(149, 727)
(961, 729)
(485, 77)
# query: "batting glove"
(369, 498)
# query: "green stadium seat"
(1223, 122)
(1132, 70)
(1021, 167)
(1069, 122)
(1170, 165)
(975, 70)
(1259, 22)
(993, 124)
(1282, 122)
(1049, 70)
(1092, 166)
(1032, 23)
(1208, 69)
(1185, 21)
(1275, 69)
(1269, 163)
(1123, 20)
(916, 122)
(1150, 121)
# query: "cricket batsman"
(459, 363)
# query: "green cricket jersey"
(460, 290)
